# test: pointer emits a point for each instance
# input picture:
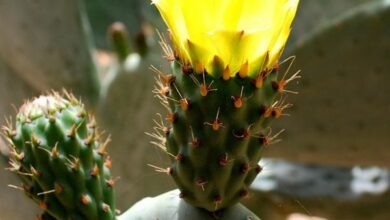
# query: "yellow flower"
(238, 35)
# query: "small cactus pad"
(216, 129)
(64, 168)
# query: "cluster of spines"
(216, 128)
(57, 153)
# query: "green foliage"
(63, 165)
(216, 131)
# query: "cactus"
(216, 130)
(63, 165)
(221, 101)
(170, 206)
(219, 106)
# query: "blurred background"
(334, 159)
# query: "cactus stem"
(118, 36)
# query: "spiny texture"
(216, 130)
(56, 151)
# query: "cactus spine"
(58, 155)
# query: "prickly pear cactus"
(57, 153)
(216, 130)
(221, 97)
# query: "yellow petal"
(237, 32)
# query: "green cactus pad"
(168, 206)
(216, 130)
(56, 151)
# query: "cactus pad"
(56, 151)
(216, 129)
